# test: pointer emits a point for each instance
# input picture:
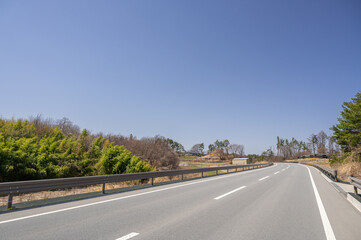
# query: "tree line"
(343, 144)
(316, 144)
(320, 143)
(222, 148)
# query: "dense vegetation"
(39, 149)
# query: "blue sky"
(194, 71)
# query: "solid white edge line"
(326, 223)
(263, 178)
(235, 190)
(277, 172)
(128, 236)
(134, 195)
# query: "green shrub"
(339, 157)
(37, 151)
(117, 159)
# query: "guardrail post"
(202, 174)
(336, 176)
(10, 201)
(182, 176)
(103, 188)
(216, 172)
(152, 181)
(355, 189)
(227, 170)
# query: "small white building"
(240, 161)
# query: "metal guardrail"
(14, 188)
(327, 171)
(356, 184)
(333, 173)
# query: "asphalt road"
(284, 201)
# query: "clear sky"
(194, 71)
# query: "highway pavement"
(283, 201)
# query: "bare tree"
(321, 141)
(236, 149)
(288, 149)
(197, 148)
(42, 126)
(155, 150)
(67, 127)
(313, 140)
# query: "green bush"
(339, 157)
(38, 152)
(117, 159)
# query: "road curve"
(284, 201)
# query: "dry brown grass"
(347, 169)
(344, 170)
(321, 161)
(202, 164)
(350, 166)
(27, 197)
(261, 162)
